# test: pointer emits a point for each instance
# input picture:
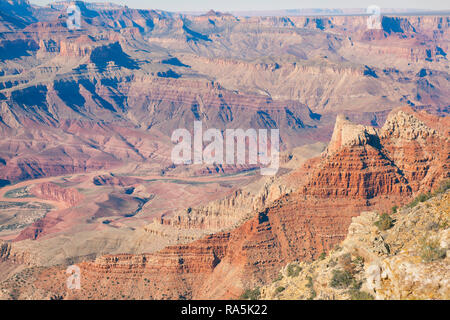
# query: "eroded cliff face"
(357, 172)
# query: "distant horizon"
(200, 6)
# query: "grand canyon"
(358, 209)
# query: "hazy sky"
(248, 5)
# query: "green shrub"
(280, 289)
(293, 270)
(341, 279)
(346, 262)
(424, 197)
(310, 283)
(322, 256)
(433, 225)
(332, 264)
(356, 294)
(430, 250)
(385, 222)
(251, 294)
(359, 260)
(394, 209)
(313, 294)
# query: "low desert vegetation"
(385, 222)
(445, 185)
(419, 199)
(359, 260)
(293, 270)
(341, 279)
(346, 262)
(278, 278)
(430, 250)
(310, 283)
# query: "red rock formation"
(37, 229)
